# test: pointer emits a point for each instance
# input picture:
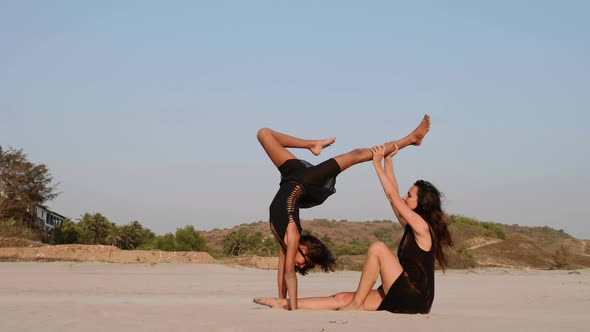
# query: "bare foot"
(420, 131)
(272, 302)
(317, 147)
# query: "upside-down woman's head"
(428, 205)
(317, 253)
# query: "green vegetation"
(544, 234)
(384, 221)
(462, 258)
(354, 247)
(325, 223)
(97, 229)
(16, 229)
(489, 228)
(243, 241)
(385, 235)
(65, 232)
(23, 186)
(561, 258)
(327, 240)
(185, 239)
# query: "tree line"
(25, 185)
(97, 229)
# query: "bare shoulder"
(422, 234)
(421, 227)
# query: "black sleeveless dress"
(413, 291)
(302, 185)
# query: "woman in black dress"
(302, 186)
(408, 280)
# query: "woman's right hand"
(378, 152)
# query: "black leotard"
(413, 291)
(318, 181)
(303, 185)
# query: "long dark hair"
(317, 253)
(430, 209)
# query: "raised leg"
(380, 261)
(361, 155)
(275, 144)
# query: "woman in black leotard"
(302, 186)
(408, 281)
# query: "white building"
(48, 217)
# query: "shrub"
(462, 258)
(64, 232)
(241, 241)
(14, 228)
(385, 235)
(488, 228)
(185, 239)
(561, 258)
(354, 247)
(325, 223)
(188, 239)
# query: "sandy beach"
(62, 296)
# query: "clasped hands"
(379, 152)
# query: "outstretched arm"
(390, 187)
(281, 274)
(388, 161)
(290, 276)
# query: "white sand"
(201, 297)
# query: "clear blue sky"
(148, 110)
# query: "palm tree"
(114, 236)
(95, 227)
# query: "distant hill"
(477, 244)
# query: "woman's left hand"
(378, 152)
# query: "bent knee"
(263, 132)
(343, 298)
(378, 247)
